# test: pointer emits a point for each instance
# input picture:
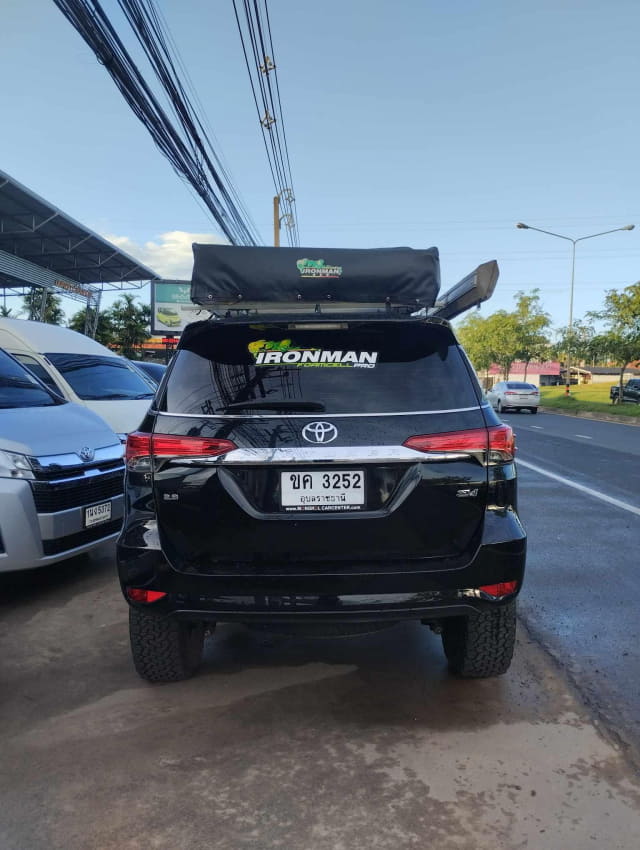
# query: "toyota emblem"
(87, 454)
(320, 432)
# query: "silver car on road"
(514, 395)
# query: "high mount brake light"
(498, 441)
(142, 445)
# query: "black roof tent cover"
(228, 277)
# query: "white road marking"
(537, 427)
(595, 493)
(584, 436)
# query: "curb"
(599, 417)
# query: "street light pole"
(574, 242)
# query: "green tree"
(5, 312)
(473, 334)
(621, 317)
(504, 330)
(580, 343)
(532, 326)
(105, 332)
(53, 312)
(130, 322)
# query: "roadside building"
(542, 374)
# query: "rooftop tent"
(228, 279)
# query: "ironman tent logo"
(317, 268)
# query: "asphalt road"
(343, 744)
(581, 595)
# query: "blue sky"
(409, 123)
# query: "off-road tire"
(164, 649)
(481, 645)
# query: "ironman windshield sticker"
(317, 268)
(287, 353)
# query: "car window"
(39, 371)
(18, 387)
(519, 385)
(95, 377)
(366, 369)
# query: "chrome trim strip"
(103, 454)
(88, 475)
(311, 415)
(322, 454)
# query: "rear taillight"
(473, 440)
(164, 445)
(139, 594)
(502, 443)
(511, 392)
(138, 446)
(498, 441)
(142, 446)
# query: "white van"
(81, 370)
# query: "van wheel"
(481, 645)
(164, 649)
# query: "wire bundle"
(257, 43)
(184, 141)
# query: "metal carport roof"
(35, 230)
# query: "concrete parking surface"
(317, 744)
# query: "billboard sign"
(171, 307)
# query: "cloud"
(171, 256)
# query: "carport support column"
(44, 292)
(92, 314)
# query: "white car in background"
(80, 370)
(514, 395)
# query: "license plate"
(322, 490)
(97, 514)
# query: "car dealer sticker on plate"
(322, 490)
(97, 514)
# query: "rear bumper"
(388, 591)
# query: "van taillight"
(498, 441)
(141, 445)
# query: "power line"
(183, 141)
(254, 29)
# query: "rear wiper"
(308, 406)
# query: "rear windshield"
(94, 377)
(18, 387)
(362, 369)
(515, 385)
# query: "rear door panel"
(220, 511)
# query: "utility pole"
(276, 221)
(287, 196)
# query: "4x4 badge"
(319, 432)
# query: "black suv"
(321, 476)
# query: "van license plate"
(97, 514)
(322, 490)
